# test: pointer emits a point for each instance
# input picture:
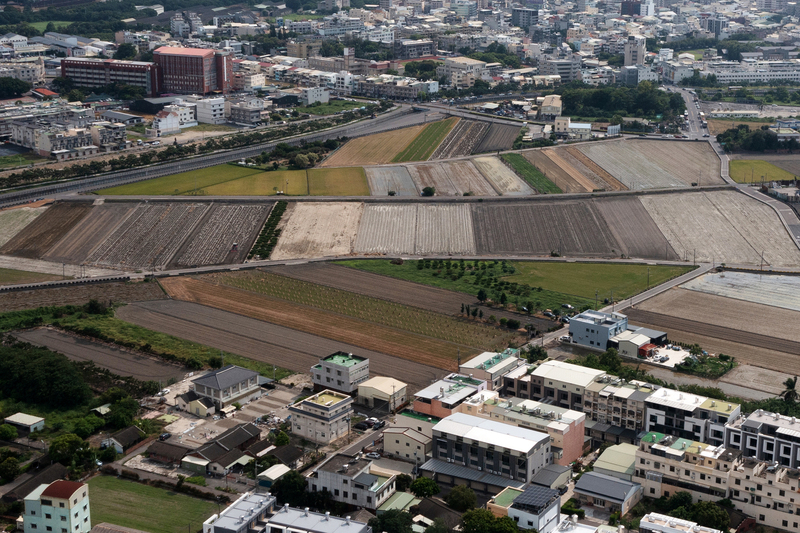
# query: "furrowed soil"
(81, 294)
(555, 156)
(76, 246)
(451, 179)
(461, 140)
(319, 230)
(373, 149)
(385, 179)
(592, 170)
(499, 137)
(504, 180)
(634, 229)
(12, 221)
(554, 173)
(41, 234)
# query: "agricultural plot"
(46, 230)
(384, 179)
(572, 172)
(319, 230)
(288, 182)
(787, 162)
(757, 171)
(224, 236)
(634, 229)
(573, 228)
(423, 145)
(87, 234)
(445, 229)
(454, 178)
(552, 171)
(80, 294)
(12, 221)
(150, 236)
(640, 164)
(18, 277)
(498, 137)
(590, 169)
(461, 140)
(503, 179)
(183, 183)
(527, 171)
(343, 181)
(770, 289)
(373, 149)
(722, 226)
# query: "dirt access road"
(262, 341)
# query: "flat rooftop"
(489, 360)
(327, 397)
(676, 399)
(229, 518)
(491, 432)
(344, 359)
(567, 372)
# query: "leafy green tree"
(10, 87)
(291, 489)
(424, 487)
(461, 498)
(709, 514)
(392, 521)
(679, 499)
(8, 432)
(108, 455)
(483, 521)
(281, 439)
(428, 191)
(126, 51)
(301, 161)
(403, 482)
(63, 449)
(482, 296)
(790, 393)
(610, 360)
(9, 469)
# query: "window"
(48, 516)
(48, 502)
(49, 528)
(355, 497)
(33, 513)
(369, 499)
(335, 492)
(63, 518)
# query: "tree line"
(644, 100)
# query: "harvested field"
(498, 137)
(290, 182)
(528, 172)
(120, 362)
(89, 233)
(41, 234)
(423, 145)
(373, 149)
(722, 226)
(343, 181)
(725, 312)
(319, 230)
(766, 289)
(80, 294)
(552, 171)
(574, 228)
(385, 179)
(634, 229)
(184, 182)
(591, 170)
(555, 156)
(502, 178)
(150, 236)
(640, 164)
(12, 221)
(262, 341)
(225, 224)
(461, 140)
(451, 179)
(445, 229)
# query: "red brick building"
(194, 70)
(89, 72)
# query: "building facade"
(227, 385)
(353, 480)
(323, 417)
(90, 72)
(193, 70)
(340, 371)
(60, 507)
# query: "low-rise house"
(123, 439)
(25, 424)
(167, 453)
(617, 461)
(537, 508)
(407, 443)
(340, 371)
(191, 402)
(553, 476)
(223, 453)
(228, 385)
(500, 503)
(611, 494)
(443, 398)
(353, 480)
(323, 417)
(399, 501)
(42, 476)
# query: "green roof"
(653, 437)
(506, 498)
(400, 501)
(417, 416)
(465, 380)
(343, 359)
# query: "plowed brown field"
(579, 178)
(597, 170)
(554, 173)
(38, 236)
(80, 294)
(89, 233)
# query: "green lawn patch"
(11, 161)
(426, 141)
(209, 127)
(531, 174)
(11, 277)
(290, 182)
(707, 366)
(185, 182)
(138, 506)
(42, 26)
(334, 106)
(343, 181)
(756, 171)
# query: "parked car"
(565, 320)
(565, 338)
(361, 426)
(163, 392)
(164, 436)
(567, 306)
(676, 348)
(379, 424)
(372, 455)
(549, 314)
(156, 143)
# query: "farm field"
(590, 169)
(503, 179)
(12, 221)
(544, 166)
(183, 183)
(319, 230)
(373, 149)
(573, 228)
(634, 229)
(290, 182)
(461, 140)
(17, 277)
(343, 181)
(649, 164)
(722, 226)
(423, 145)
(445, 229)
(531, 174)
(37, 237)
(756, 171)
(498, 137)
(454, 178)
(261, 341)
(79, 295)
(120, 362)
(788, 162)
(768, 289)
(121, 502)
(87, 234)
(574, 174)
(384, 179)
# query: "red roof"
(62, 489)
(176, 51)
(45, 92)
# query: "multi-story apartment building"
(611, 400)
(353, 480)
(193, 70)
(443, 398)
(91, 72)
(635, 50)
(60, 507)
(524, 18)
(247, 112)
(492, 366)
(337, 24)
(568, 69)
(486, 445)
(53, 140)
(461, 71)
(30, 70)
(413, 48)
(246, 81)
(555, 382)
(753, 71)
(689, 416)
(227, 385)
(246, 514)
(595, 329)
(323, 417)
(340, 371)
(290, 520)
(768, 492)
(304, 49)
(765, 436)
(387, 86)
(209, 110)
(109, 136)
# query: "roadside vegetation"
(333, 106)
(531, 174)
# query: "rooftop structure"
(246, 513)
(658, 523)
(341, 371)
(442, 398)
(490, 366)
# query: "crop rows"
(269, 235)
(462, 139)
(499, 137)
(426, 142)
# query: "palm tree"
(790, 394)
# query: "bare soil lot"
(384, 179)
(89, 233)
(319, 230)
(773, 290)
(454, 178)
(634, 229)
(590, 169)
(262, 341)
(553, 171)
(461, 140)
(498, 137)
(81, 294)
(445, 229)
(120, 362)
(574, 173)
(373, 149)
(12, 221)
(38, 236)
(503, 179)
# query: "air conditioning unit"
(479, 469)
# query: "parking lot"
(673, 356)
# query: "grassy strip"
(334, 106)
(756, 171)
(269, 235)
(10, 277)
(185, 182)
(531, 174)
(423, 145)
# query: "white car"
(156, 143)
(372, 455)
(164, 392)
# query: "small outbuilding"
(382, 393)
(123, 439)
(272, 474)
(25, 424)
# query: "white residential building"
(340, 371)
(60, 507)
(209, 110)
(323, 417)
(353, 480)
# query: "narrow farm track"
(262, 341)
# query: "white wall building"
(60, 507)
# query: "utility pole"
(595, 299)
(648, 278)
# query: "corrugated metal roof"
(462, 472)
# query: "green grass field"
(291, 182)
(752, 170)
(42, 26)
(12, 277)
(133, 505)
(531, 174)
(334, 106)
(344, 181)
(11, 161)
(210, 127)
(185, 182)
(426, 141)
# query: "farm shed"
(25, 424)
(272, 474)
(629, 342)
(164, 452)
(195, 464)
(382, 392)
(124, 439)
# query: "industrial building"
(93, 73)
(193, 70)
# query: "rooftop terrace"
(344, 359)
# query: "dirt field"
(451, 179)
(722, 226)
(635, 231)
(79, 295)
(343, 181)
(576, 228)
(262, 341)
(640, 164)
(373, 149)
(552, 171)
(555, 156)
(590, 169)
(461, 140)
(319, 230)
(12, 221)
(502, 178)
(769, 289)
(499, 137)
(385, 179)
(445, 229)
(38, 236)
(788, 162)
(120, 362)
(89, 233)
